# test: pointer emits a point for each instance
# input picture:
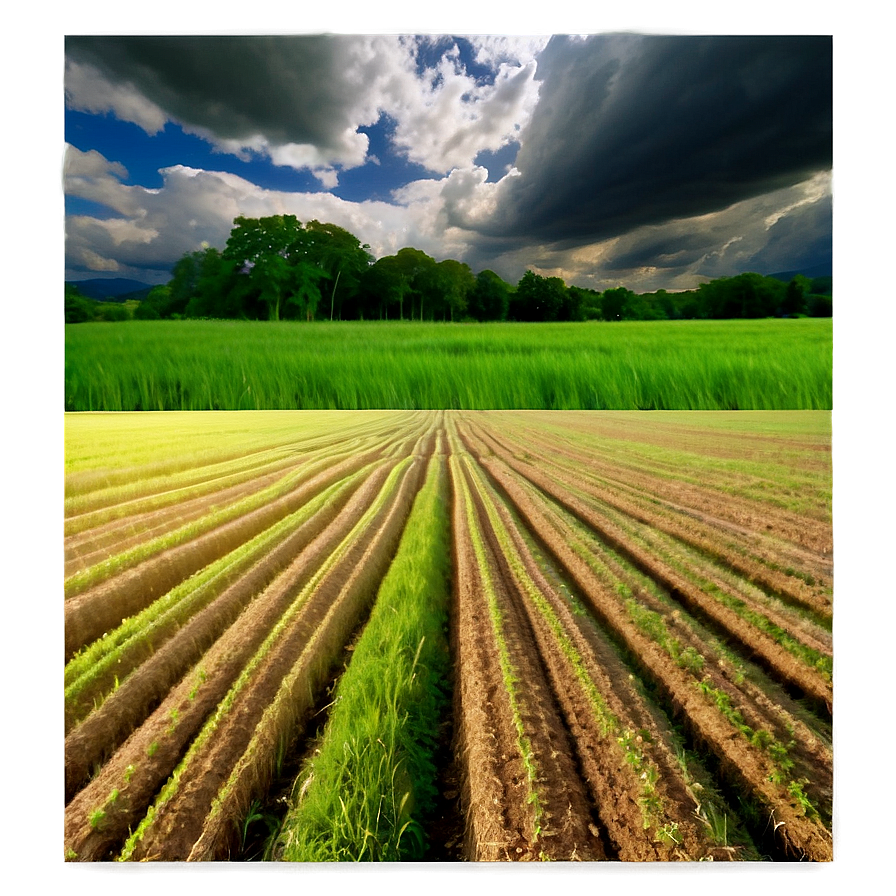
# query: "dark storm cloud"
(669, 248)
(288, 89)
(632, 130)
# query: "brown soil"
(299, 661)
(614, 786)
(101, 542)
(330, 623)
(643, 476)
(166, 661)
(758, 542)
(500, 821)
(191, 701)
(89, 615)
(560, 477)
(740, 761)
(775, 657)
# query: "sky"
(617, 158)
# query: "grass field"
(231, 365)
(453, 635)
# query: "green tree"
(111, 311)
(151, 307)
(265, 252)
(442, 288)
(416, 269)
(796, 296)
(820, 305)
(538, 298)
(342, 259)
(386, 286)
(184, 283)
(615, 303)
(489, 299)
(78, 308)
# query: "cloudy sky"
(620, 158)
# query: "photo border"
(31, 427)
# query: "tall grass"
(367, 791)
(241, 365)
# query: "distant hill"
(116, 289)
(817, 270)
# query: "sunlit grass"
(366, 791)
(241, 365)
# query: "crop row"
(467, 635)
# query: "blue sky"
(647, 160)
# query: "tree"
(264, 252)
(615, 302)
(183, 285)
(151, 307)
(385, 286)
(538, 298)
(78, 308)
(415, 268)
(443, 287)
(796, 296)
(489, 299)
(340, 256)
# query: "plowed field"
(637, 623)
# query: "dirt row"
(90, 614)
(744, 764)
(703, 516)
(775, 657)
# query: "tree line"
(276, 268)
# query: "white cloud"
(327, 89)
(445, 118)
(94, 262)
(194, 206)
(88, 91)
(492, 50)
(89, 175)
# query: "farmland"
(259, 365)
(464, 635)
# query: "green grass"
(367, 791)
(236, 365)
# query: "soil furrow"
(741, 762)
(89, 615)
(756, 516)
(188, 704)
(655, 823)
(282, 691)
(629, 498)
(778, 660)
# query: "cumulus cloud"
(302, 99)
(196, 207)
(89, 175)
(493, 49)
(448, 124)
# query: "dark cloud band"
(633, 130)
